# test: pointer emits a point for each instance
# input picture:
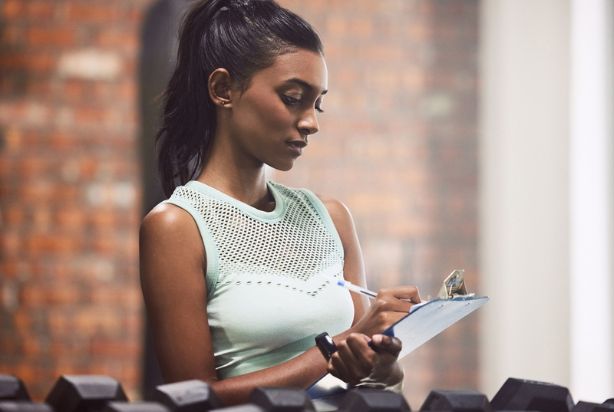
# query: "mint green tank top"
(271, 276)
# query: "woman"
(238, 273)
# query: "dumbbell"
(261, 399)
(372, 400)
(187, 396)
(457, 401)
(281, 400)
(12, 388)
(14, 397)
(594, 407)
(24, 406)
(84, 393)
(522, 395)
(249, 407)
(135, 407)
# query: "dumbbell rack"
(92, 393)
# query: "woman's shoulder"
(167, 219)
(337, 210)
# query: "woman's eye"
(297, 101)
(290, 101)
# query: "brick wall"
(397, 145)
(69, 190)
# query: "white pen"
(355, 288)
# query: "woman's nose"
(308, 124)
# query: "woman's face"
(271, 120)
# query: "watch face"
(326, 345)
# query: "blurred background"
(461, 134)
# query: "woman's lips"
(296, 146)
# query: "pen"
(355, 288)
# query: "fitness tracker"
(326, 345)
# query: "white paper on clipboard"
(431, 318)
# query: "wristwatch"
(326, 345)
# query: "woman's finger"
(351, 364)
(387, 344)
(362, 353)
(409, 293)
(337, 368)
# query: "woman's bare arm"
(353, 267)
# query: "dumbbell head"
(135, 407)
(458, 400)
(370, 400)
(520, 394)
(593, 407)
(84, 393)
(187, 396)
(24, 406)
(281, 399)
(12, 388)
(248, 407)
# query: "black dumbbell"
(249, 407)
(371, 400)
(84, 393)
(12, 388)
(135, 407)
(522, 395)
(24, 406)
(187, 396)
(281, 400)
(456, 400)
(593, 407)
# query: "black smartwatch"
(326, 345)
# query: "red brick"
(71, 218)
(40, 10)
(93, 13)
(111, 348)
(58, 36)
(12, 8)
(116, 39)
(89, 115)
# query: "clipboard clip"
(454, 286)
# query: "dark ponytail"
(242, 36)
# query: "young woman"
(239, 273)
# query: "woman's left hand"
(356, 360)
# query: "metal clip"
(454, 285)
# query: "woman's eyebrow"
(306, 85)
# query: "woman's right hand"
(389, 306)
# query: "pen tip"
(341, 282)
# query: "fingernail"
(377, 339)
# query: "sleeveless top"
(271, 276)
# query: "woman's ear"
(220, 85)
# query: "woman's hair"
(242, 36)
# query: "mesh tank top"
(271, 276)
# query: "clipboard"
(423, 322)
(426, 321)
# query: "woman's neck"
(248, 185)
